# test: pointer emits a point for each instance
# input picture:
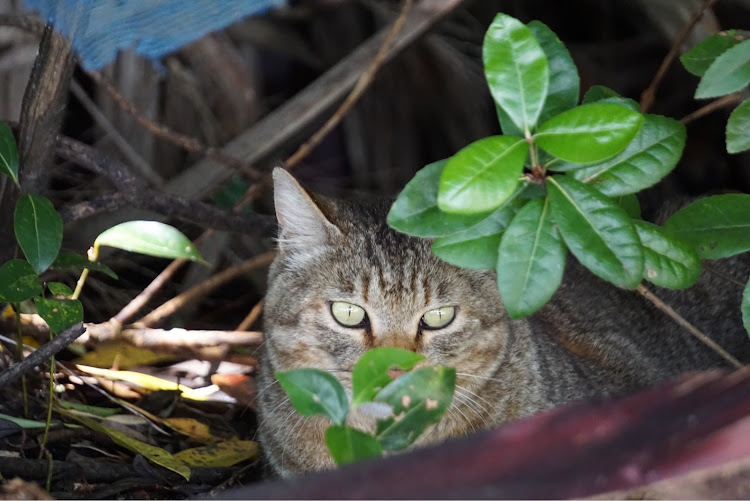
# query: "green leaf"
(18, 281)
(738, 128)
(746, 307)
(590, 132)
(630, 204)
(39, 230)
(598, 93)
(669, 262)
(8, 153)
(348, 445)
(415, 211)
(531, 261)
(517, 70)
(101, 412)
(477, 247)
(59, 289)
(602, 94)
(650, 156)
(598, 232)
(717, 226)
(59, 313)
(729, 73)
(151, 452)
(313, 391)
(419, 398)
(370, 373)
(71, 260)
(506, 123)
(151, 238)
(564, 83)
(698, 59)
(483, 175)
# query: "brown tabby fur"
(591, 340)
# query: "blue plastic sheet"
(153, 28)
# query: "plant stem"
(19, 331)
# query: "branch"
(47, 350)
(134, 192)
(648, 95)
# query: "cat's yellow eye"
(347, 314)
(439, 317)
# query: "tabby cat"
(344, 282)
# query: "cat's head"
(344, 282)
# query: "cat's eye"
(438, 318)
(348, 314)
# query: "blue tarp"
(153, 28)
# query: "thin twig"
(722, 102)
(664, 307)
(193, 293)
(43, 353)
(251, 317)
(648, 95)
(184, 141)
(362, 84)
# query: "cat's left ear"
(303, 225)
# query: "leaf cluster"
(414, 401)
(561, 178)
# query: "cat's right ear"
(303, 227)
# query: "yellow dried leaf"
(193, 429)
(149, 382)
(223, 454)
(124, 355)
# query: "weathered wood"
(42, 110)
(574, 451)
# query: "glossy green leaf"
(8, 153)
(590, 132)
(598, 93)
(669, 262)
(59, 313)
(419, 398)
(738, 128)
(483, 175)
(728, 73)
(517, 70)
(745, 307)
(39, 230)
(650, 156)
(602, 94)
(506, 123)
(564, 83)
(71, 260)
(531, 261)
(630, 204)
(717, 226)
(312, 391)
(151, 238)
(598, 232)
(699, 58)
(59, 289)
(415, 211)
(477, 247)
(18, 281)
(370, 373)
(348, 445)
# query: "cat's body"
(591, 340)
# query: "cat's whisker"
(479, 377)
(466, 418)
(472, 405)
(486, 408)
(293, 432)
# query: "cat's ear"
(303, 226)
